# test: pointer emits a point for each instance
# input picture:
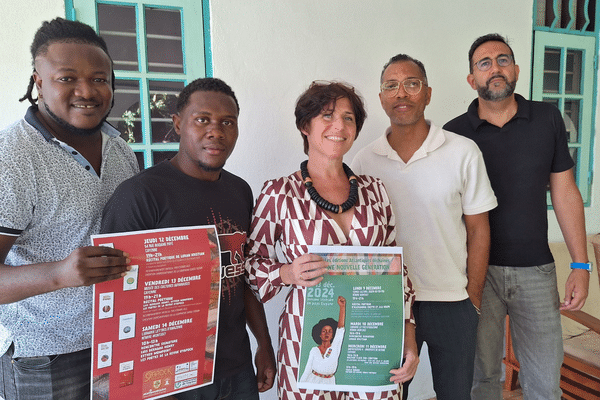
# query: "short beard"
(486, 94)
(208, 168)
(71, 128)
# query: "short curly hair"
(204, 85)
(318, 96)
(404, 57)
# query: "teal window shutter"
(565, 74)
(157, 48)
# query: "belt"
(321, 375)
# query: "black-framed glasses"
(412, 86)
(503, 60)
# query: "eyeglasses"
(503, 60)
(411, 86)
(329, 83)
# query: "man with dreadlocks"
(58, 167)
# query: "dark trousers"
(241, 386)
(450, 330)
(64, 376)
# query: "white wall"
(270, 50)
(15, 65)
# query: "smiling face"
(208, 130)
(404, 109)
(332, 132)
(497, 83)
(74, 86)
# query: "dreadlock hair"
(62, 31)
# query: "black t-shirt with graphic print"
(164, 197)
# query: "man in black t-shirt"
(525, 148)
(193, 189)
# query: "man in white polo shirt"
(441, 197)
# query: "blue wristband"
(586, 266)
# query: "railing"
(568, 16)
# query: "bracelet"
(587, 266)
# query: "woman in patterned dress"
(329, 116)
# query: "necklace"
(321, 202)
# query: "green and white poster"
(353, 327)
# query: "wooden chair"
(580, 372)
(511, 376)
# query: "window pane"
(581, 14)
(575, 155)
(541, 14)
(117, 26)
(163, 101)
(139, 155)
(158, 156)
(573, 72)
(565, 14)
(163, 38)
(125, 115)
(554, 102)
(551, 70)
(572, 118)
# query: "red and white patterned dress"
(285, 214)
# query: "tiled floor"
(514, 395)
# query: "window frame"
(564, 42)
(197, 60)
(571, 34)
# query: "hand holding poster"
(155, 329)
(364, 291)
